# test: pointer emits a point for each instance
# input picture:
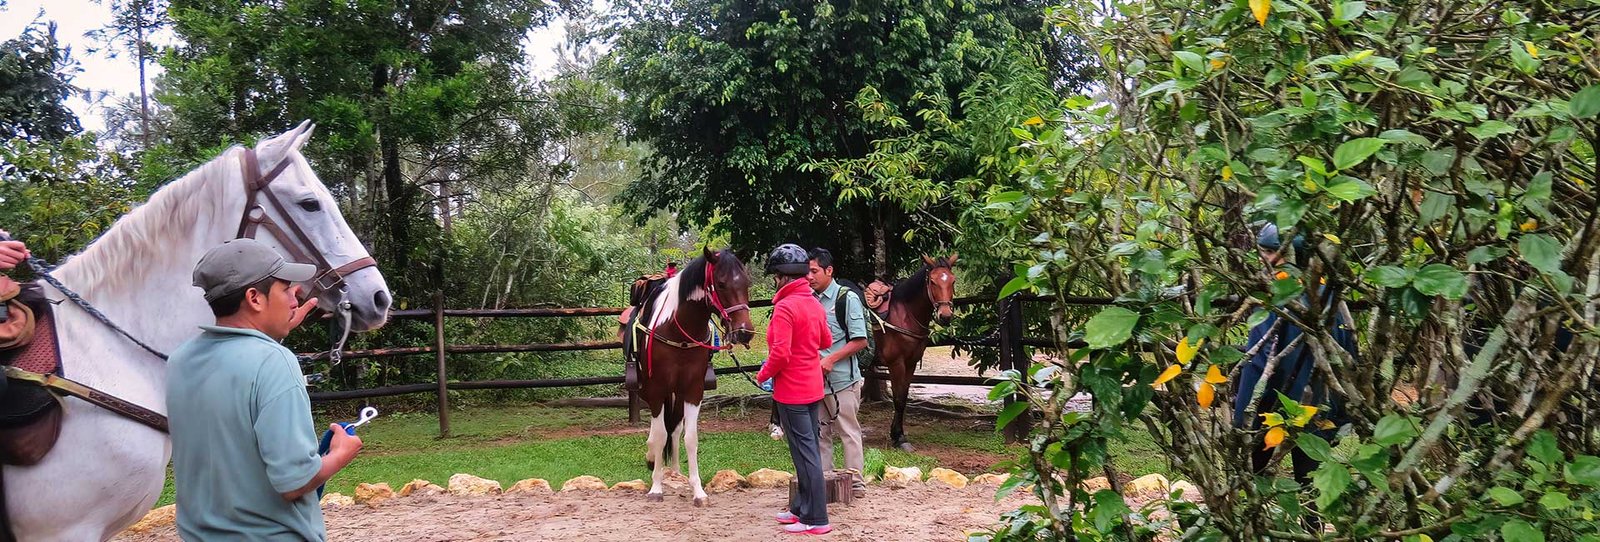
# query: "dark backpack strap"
(841, 311)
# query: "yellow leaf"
(1272, 419)
(1305, 416)
(1325, 424)
(1281, 275)
(1214, 375)
(1533, 50)
(1217, 63)
(1172, 372)
(1275, 437)
(1261, 8)
(1035, 121)
(1187, 350)
(1205, 395)
(1227, 172)
(1333, 238)
(1530, 225)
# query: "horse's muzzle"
(744, 336)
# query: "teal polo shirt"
(846, 372)
(242, 436)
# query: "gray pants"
(810, 503)
(840, 420)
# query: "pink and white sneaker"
(801, 528)
(786, 518)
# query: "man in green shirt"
(843, 378)
(244, 452)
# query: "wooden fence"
(1008, 338)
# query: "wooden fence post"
(439, 353)
(1014, 356)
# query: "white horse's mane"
(170, 219)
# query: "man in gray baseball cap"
(244, 458)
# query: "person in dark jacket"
(1293, 365)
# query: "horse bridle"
(300, 246)
(723, 313)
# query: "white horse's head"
(297, 201)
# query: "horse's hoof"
(702, 502)
(654, 497)
(907, 447)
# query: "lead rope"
(43, 270)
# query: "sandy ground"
(917, 513)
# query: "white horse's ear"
(278, 147)
(302, 134)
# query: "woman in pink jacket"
(795, 336)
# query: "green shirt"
(846, 372)
(242, 436)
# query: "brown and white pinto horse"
(902, 334)
(675, 354)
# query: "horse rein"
(300, 246)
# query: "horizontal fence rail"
(1007, 338)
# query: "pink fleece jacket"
(795, 337)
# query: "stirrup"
(711, 377)
(630, 376)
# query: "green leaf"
(1491, 129)
(1541, 251)
(1585, 104)
(1009, 413)
(1016, 284)
(1022, 134)
(1543, 448)
(1538, 188)
(1585, 470)
(1290, 211)
(1555, 501)
(1485, 254)
(1191, 60)
(1351, 153)
(1109, 508)
(1111, 327)
(1393, 429)
(1012, 196)
(1345, 12)
(1441, 280)
(1351, 190)
(1404, 136)
(1330, 480)
(1002, 389)
(1505, 496)
(1390, 276)
(1520, 58)
(1518, 530)
(1314, 164)
(1314, 446)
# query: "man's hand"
(341, 450)
(12, 253)
(299, 315)
(344, 445)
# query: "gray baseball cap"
(237, 264)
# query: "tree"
(1430, 168)
(736, 99)
(133, 23)
(407, 95)
(35, 81)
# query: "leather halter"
(301, 248)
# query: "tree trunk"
(880, 246)
(144, 96)
(401, 203)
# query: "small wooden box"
(838, 483)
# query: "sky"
(105, 76)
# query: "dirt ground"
(917, 513)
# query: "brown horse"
(902, 334)
(675, 353)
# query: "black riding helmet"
(788, 259)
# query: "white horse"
(106, 471)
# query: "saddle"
(30, 416)
(641, 303)
(876, 295)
